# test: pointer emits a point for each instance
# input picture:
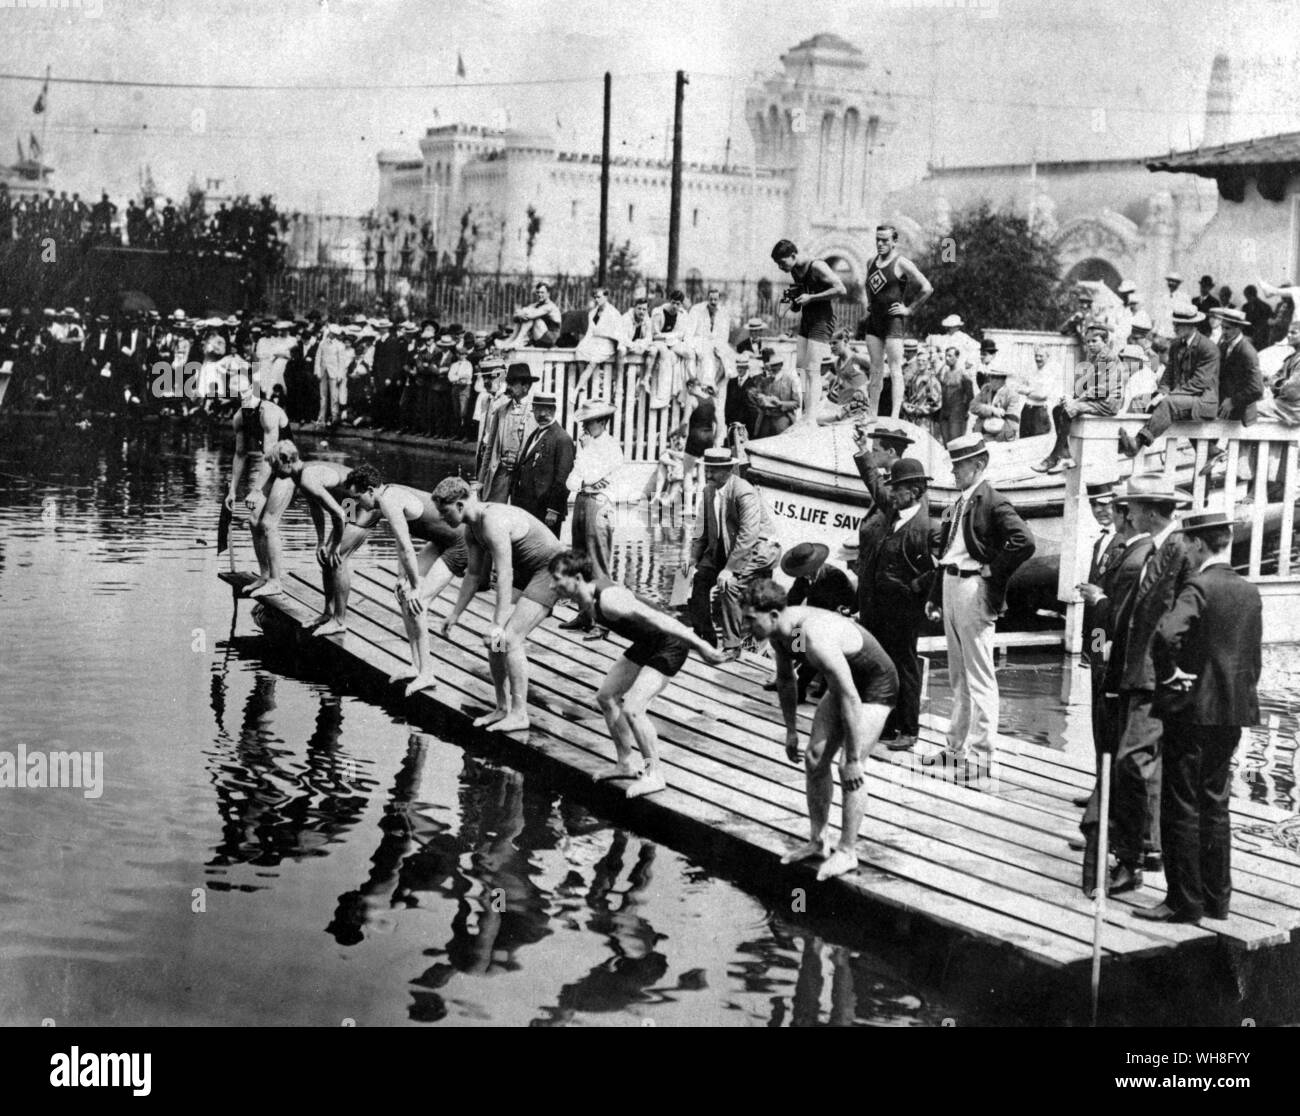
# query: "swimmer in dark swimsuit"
(322, 485)
(424, 574)
(660, 646)
(521, 547)
(862, 688)
(817, 287)
(888, 276)
(259, 424)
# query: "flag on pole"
(33, 146)
(460, 65)
(39, 107)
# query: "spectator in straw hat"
(1190, 383)
(598, 459)
(954, 335)
(752, 342)
(1206, 652)
(983, 541)
(734, 545)
(1131, 677)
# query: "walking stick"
(1103, 856)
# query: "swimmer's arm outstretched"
(619, 604)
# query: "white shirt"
(957, 554)
(1213, 560)
(905, 517)
(1159, 539)
(595, 462)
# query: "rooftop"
(1265, 151)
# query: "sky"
(972, 81)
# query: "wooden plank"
(1259, 510)
(949, 909)
(1290, 493)
(1241, 929)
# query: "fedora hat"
(907, 469)
(595, 409)
(1184, 313)
(1152, 488)
(520, 373)
(968, 445)
(540, 400)
(1203, 521)
(890, 434)
(952, 321)
(1101, 492)
(805, 559)
(1229, 314)
(718, 459)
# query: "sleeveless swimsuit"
(885, 288)
(874, 675)
(430, 527)
(259, 470)
(817, 319)
(650, 647)
(529, 558)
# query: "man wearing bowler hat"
(734, 545)
(1131, 676)
(1207, 659)
(896, 546)
(982, 542)
(509, 423)
(1190, 382)
(540, 480)
(598, 458)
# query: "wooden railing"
(1261, 498)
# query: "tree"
(531, 230)
(995, 271)
(622, 266)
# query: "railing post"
(1074, 548)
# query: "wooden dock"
(988, 861)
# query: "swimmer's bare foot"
(331, 627)
(647, 784)
(623, 769)
(323, 618)
(489, 719)
(809, 850)
(403, 675)
(837, 864)
(267, 589)
(256, 583)
(421, 682)
(511, 722)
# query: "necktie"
(1149, 570)
(722, 522)
(959, 509)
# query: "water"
(271, 848)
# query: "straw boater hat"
(1153, 488)
(1184, 313)
(1126, 287)
(1132, 352)
(952, 321)
(446, 341)
(910, 344)
(1097, 327)
(1203, 521)
(1173, 277)
(178, 315)
(805, 559)
(1228, 314)
(543, 401)
(595, 409)
(908, 469)
(492, 366)
(967, 446)
(718, 459)
(1101, 492)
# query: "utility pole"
(604, 190)
(675, 196)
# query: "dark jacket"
(1213, 631)
(996, 537)
(538, 485)
(830, 591)
(1118, 582)
(1241, 386)
(1193, 369)
(908, 570)
(1141, 613)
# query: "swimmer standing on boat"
(521, 547)
(411, 514)
(660, 647)
(861, 691)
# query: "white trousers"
(968, 622)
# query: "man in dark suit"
(1190, 382)
(1136, 811)
(982, 542)
(1207, 658)
(538, 484)
(897, 542)
(1241, 386)
(734, 545)
(1117, 566)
